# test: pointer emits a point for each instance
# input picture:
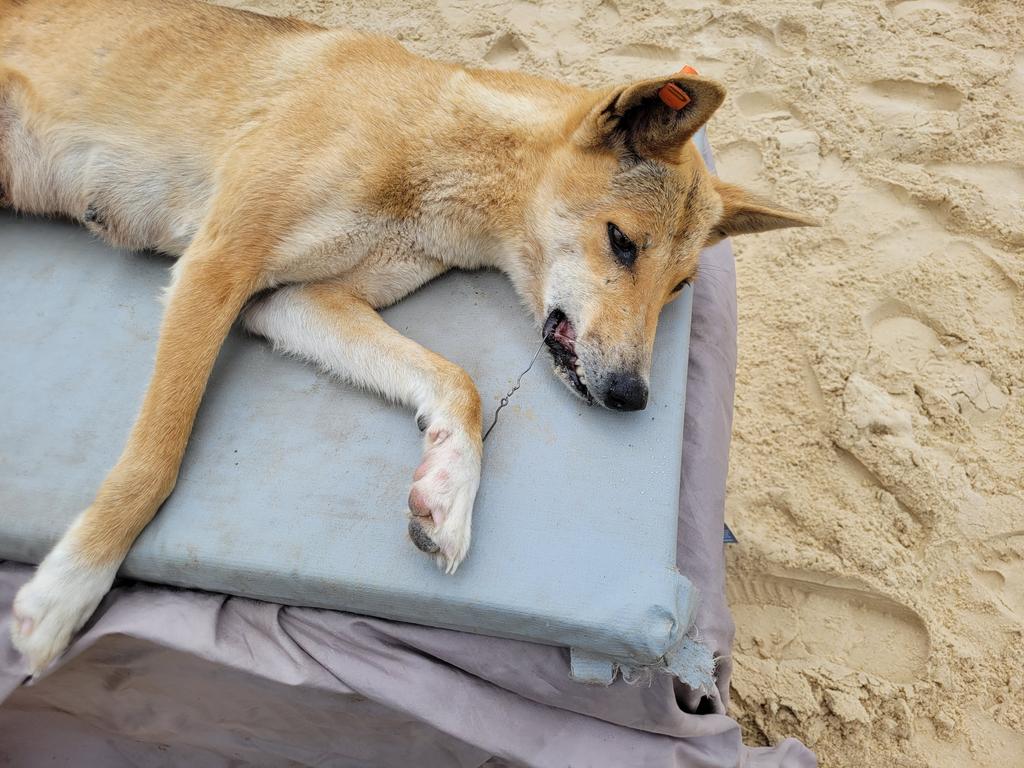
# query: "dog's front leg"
(213, 283)
(342, 333)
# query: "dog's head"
(624, 208)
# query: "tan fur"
(268, 152)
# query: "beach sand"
(877, 477)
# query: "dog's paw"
(442, 496)
(50, 608)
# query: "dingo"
(306, 177)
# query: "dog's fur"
(306, 178)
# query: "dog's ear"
(652, 118)
(745, 214)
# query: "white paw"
(442, 495)
(51, 607)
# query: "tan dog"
(343, 172)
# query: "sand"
(877, 478)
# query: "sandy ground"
(877, 481)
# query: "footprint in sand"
(505, 51)
(911, 343)
(908, 96)
(983, 199)
(608, 12)
(877, 431)
(790, 33)
(763, 105)
(797, 145)
(1001, 186)
(807, 616)
(995, 580)
(737, 27)
(739, 160)
(903, 8)
(1002, 576)
(649, 52)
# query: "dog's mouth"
(560, 336)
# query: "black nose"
(626, 392)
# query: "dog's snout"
(626, 392)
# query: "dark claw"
(420, 538)
(422, 422)
(92, 216)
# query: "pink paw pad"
(418, 503)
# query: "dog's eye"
(682, 284)
(623, 248)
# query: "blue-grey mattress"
(294, 486)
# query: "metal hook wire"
(504, 401)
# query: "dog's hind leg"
(329, 325)
(213, 281)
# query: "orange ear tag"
(674, 96)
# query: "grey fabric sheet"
(164, 677)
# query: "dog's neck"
(492, 151)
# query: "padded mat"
(294, 485)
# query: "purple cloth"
(165, 677)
